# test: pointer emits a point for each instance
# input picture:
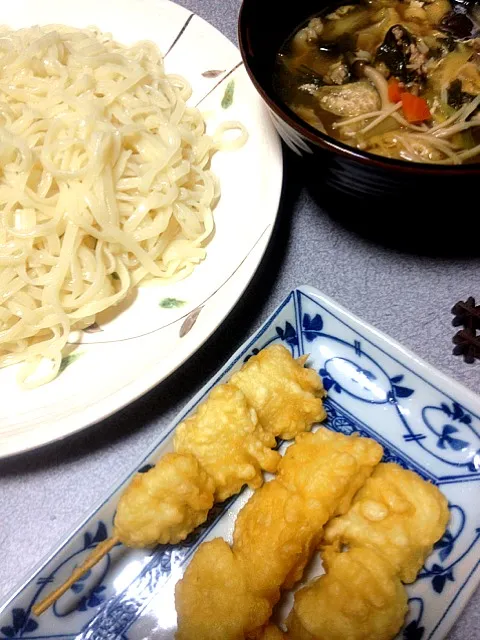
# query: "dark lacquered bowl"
(434, 193)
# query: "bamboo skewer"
(95, 556)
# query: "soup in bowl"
(397, 78)
(380, 97)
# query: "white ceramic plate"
(160, 327)
(424, 420)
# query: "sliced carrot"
(394, 90)
(415, 109)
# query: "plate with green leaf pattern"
(132, 348)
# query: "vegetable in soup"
(397, 78)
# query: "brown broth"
(321, 75)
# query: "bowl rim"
(329, 143)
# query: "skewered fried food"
(286, 395)
(228, 441)
(390, 529)
(347, 462)
(274, 538)
(182, 512)
(164, 504)
(279, 527)
(358, 598)
(396, 513)
(215, 580)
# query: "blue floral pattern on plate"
(375, 388)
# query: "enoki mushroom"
(437, 137)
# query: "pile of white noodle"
(104, 182)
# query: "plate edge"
(424, 365)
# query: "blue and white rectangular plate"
(424, 420)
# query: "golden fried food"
(228, 441)
(274, 538)
(278, 528)
(164, 504)
(398, 514)
(213, 601)
(271, 632)
(346, 462)
(275, 535)
(286, 395)
(357, 599)
(219, 450)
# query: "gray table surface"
(45, 492)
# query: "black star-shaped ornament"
(466, 341)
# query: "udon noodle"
(104, 183)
